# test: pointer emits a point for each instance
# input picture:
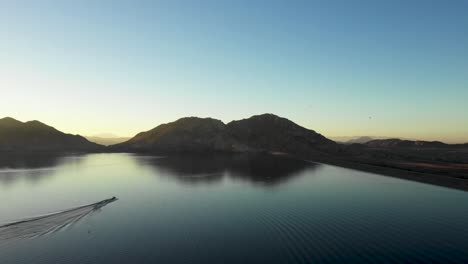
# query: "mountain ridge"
(35, 136)
(266, 133)
(403, 143)
(259, 133)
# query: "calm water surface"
(241, 209)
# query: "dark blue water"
(241, 209)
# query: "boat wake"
(48, 224)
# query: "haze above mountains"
(107, 140)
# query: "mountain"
(32, 136)
(107, 141)
(189, 134)
(360, 140)
(399, 143)
(271, 133)
(261, 133)
(356, 139)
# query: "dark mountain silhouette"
(261, 133)
(34, 136)
(265, 133)
(271, 133)
(189, 134)
(399, 143)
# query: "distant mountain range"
(399, 143)
(265, 133)
(107, 141)
(33, 136)
(357, 139)
(259, 133)
(360, 140)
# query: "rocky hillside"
(189, 134)
(32, 136)
(271, 133)
(261, 133)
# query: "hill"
(272, 133)
(34, 136)
(189, 134)
(261, 133)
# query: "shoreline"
(438, 179)
(422, 177)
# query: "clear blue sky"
(342, 68)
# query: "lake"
(227, 209)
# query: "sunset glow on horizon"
(392, 69)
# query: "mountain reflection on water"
(223, 209)
(262, 169)
(32, 167)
